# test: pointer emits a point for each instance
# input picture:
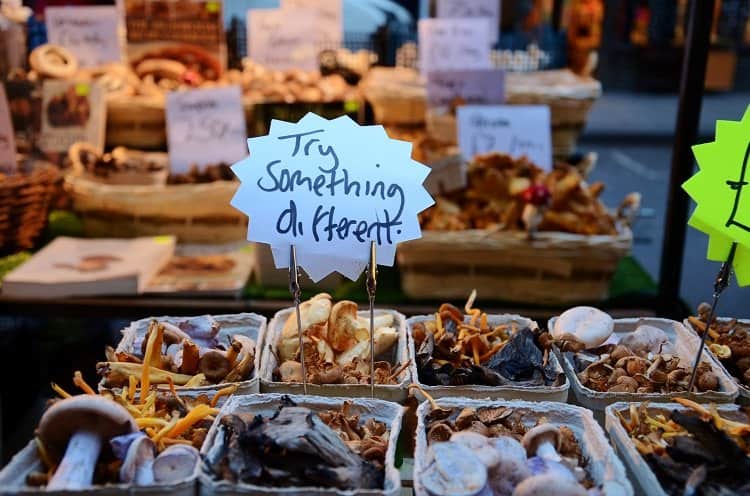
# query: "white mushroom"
(549, 483)
(543, 441)
(453, 470)
(138, 466)
(587, 325)
(175, 463)
(647, 339)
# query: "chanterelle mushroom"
(543, 441)
(77, 426)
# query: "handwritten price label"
(205, 127)
(90, 33)
(454, 44)
(7, 138)
(284, 38)
(721, 188)
(517, 130)
(330, 188)
(328, 13)
(487, 9)
(482, 86)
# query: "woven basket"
(195, 213)
(554, 268)
(25, 199)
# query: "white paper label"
(513, 129)
(72, 111)
(205, 127)
(284, 39)
(488, 9)
(454, 44)
(480, 86)
(330, 187)
(7, 138)
(90, 33)
(329, 24)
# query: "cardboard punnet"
(744, 391)
(400, 353)
(686, 347)
(604, 468)
(248, 324)
(529, 393)
(267, 404)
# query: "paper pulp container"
(744, 391)
(686, 347)
(397, 355)
(638, 469)
(13, 476)
(604, 468)
(248, 324)
(530, 393)
(266, 405)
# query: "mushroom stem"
(547, 451)
(76, 470)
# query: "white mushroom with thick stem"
(138, 466)
(543, 441)
(587, 325)
(78, 427)
(175, 463)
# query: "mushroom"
(214, 365)
(543, 441)
(453, 470)
(137, 467)
(647, 339)
(79, 425)
(344, 330)
(587, 325)
(479, 444)
(511, 469)
(290, 371)
(175, 463)
(551, 482)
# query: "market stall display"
(646, 359)
(728, 341)
(194, 353)
(302, 444)
(473, 446)
(116, 442)
(336, 347)
(469, 353)
(673, 448)
(572, 255)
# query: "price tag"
(517, 130)
(488, 9)
(72, 111)
(454, 44)
(90, 33)
(721, 189)
(328, 23)
(283, 39)
(7, 138)
(330, 187)
(480, 86)
(205, 127)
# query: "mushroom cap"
(88, 412)
(175, 463)
(540, 434)
(214, 365)
(343, 325)
(549, 483)
(453, 469)
(587, 325)
(313, 311)
(140, 451)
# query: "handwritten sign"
(517, 130)
(480, 86)
(488, 9)
(723, 211)
(282, 39)
(72, 111)
(329, 25)
(330, 187)
(90, 33)
(454, 44)
(7, 138)
(205, 127)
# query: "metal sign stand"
(294, 289)
(372, 284)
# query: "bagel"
(53, 61)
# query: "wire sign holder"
(296, 291)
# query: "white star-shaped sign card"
(330, 187)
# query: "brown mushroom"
(290, 371)
(343, 326)
(214, 365)
(77, 427)
(707, 381)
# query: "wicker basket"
(195, 213)
(554, 268)
(25, 199)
